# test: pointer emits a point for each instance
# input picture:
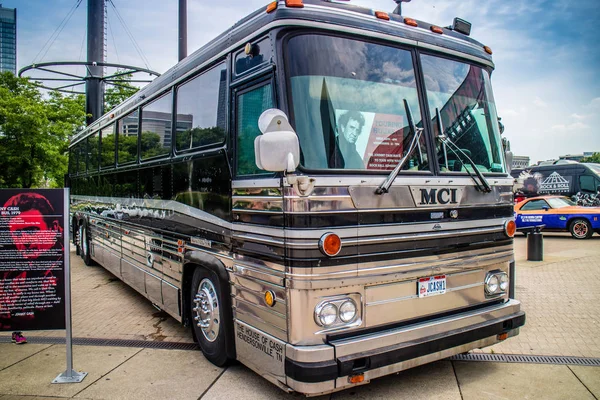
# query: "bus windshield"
(462, 95)
(348, 104)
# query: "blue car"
(558, 214)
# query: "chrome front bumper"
(322, 369)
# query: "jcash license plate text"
(432, 286)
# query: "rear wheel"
(211, 329)
(581, 229)
(84, 243)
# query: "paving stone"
(240, 383)
(12, 353)
(34, 376)
(480, 381)
(432, 381)
(156, 374)
(589, 376)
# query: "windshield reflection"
(348, 104)
(462, 93)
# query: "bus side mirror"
(277, 149)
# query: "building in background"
(520, 162)
(8, 39)
(577, 157)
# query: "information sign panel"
(32, 259)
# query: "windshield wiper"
(416, 132)
(480, 182)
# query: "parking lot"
(560, 296)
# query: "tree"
(120, 90)
(34, 133)
(594, 158)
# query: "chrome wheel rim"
(206, 310)
(580, 229)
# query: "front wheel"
(211, 328)
(581, 229)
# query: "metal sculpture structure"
(94, 78)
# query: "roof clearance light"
(487, 50)
(382, 15)
(410, 22)
(436, 29)
(272, 7)
(294, 3)
(330, 244)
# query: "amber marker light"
(410, 22)
(436, 29)
(510, 228)
(270, 298)
(503, 336)
(330, 244)
(382, 15)
(487, 50)
(272, 7)
(358, 378)
(294, 3)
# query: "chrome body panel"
(411, 333)
(383, 287)
(357, 348)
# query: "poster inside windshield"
(32, 259)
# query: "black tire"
(76, 238)
(581, 229)
(84, 243)
(217, 332)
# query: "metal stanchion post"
(70, 375)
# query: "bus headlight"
(504, 282)
(347, 311)
(496, 283)
(326, 314)
(339, 312)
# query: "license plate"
(432, 286)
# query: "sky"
(546, 52)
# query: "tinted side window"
(249, 107)
(81, 160)
(73, 153)
(535, 205)
(201, 111)
(93, 151)
(156, 127)
(260, 53)
(155, 183)
(125, 184)
(107, 158)
(128, 128)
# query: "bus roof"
(315, 14)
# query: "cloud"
(570, 127)
(540, 103)
(594, 104)
(507, 112)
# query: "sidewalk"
(134, 373)
(560, 297)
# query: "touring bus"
(320, 193)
